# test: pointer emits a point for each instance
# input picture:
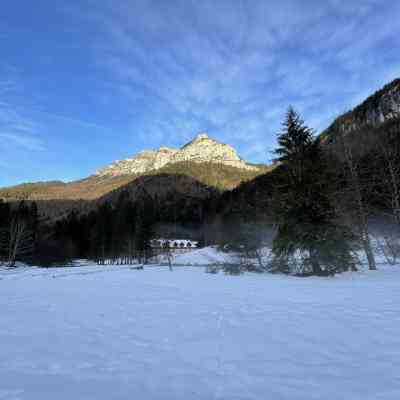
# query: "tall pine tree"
(309, 241)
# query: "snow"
(113, 333)
(205, 256)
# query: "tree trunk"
(361, 214)
(369, 253)
(315, 265)
(391, 155)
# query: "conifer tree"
(143, 229)
(5, 216)
(308, 241)
(34, 219)
(103, 232)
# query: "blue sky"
(85, 82)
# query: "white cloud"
(23, 140)
(16, 129)
(235, 66)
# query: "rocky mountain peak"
(202, 149)
(382, 106)
(202, 136)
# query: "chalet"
(174, 245)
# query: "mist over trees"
(313, 208)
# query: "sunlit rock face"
(379, 108)
(367, 125)
(201, 149)
(386, 107)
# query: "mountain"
(202, 149)
(89, 188)
(203, 159)
(163, 187)
(372, 125)
(367, 123)
(205, 168)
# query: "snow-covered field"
(205, 256)
(115, 333)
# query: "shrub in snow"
(212, 269)
(233, 269)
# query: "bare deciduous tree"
(389, 248)
(16, 241)
(389, 149)
(166, 250)
(361, 214)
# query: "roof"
(174, 243)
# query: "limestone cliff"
(381, 107)
(201, 149)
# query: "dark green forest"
(313, 208)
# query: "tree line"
(320, 203)
(313, 209)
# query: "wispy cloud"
(6, 85)
(23, 140)
(224, 64)
(16, 129)
(119, 76)
(71, 120)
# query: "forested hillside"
(319, 186)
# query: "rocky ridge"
(381, 107)
(202, 149)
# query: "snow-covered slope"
(205, 256)
(113, 333)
